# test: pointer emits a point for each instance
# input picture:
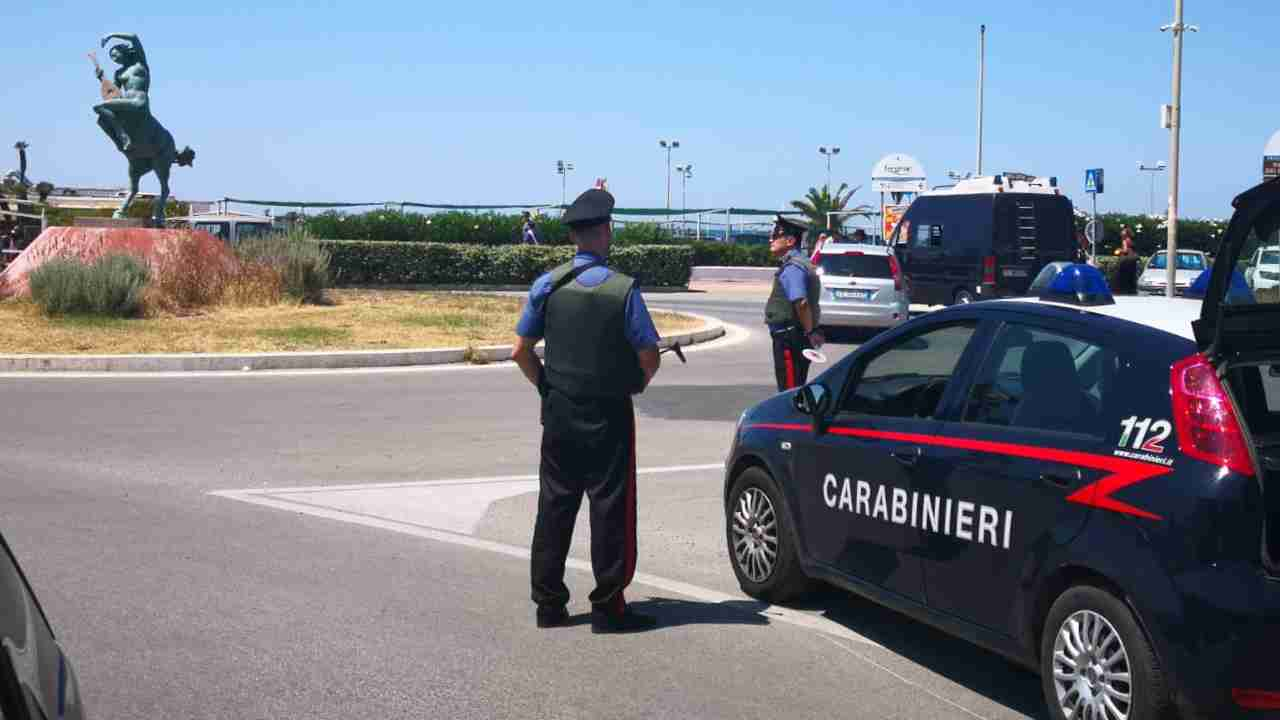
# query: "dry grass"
(357, 319)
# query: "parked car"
(1088, 485)
(983, 238)
(1263, 272)
(37, 680)
(862, 286)
(1153, 279)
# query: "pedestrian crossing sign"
(1093, 181)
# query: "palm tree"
(817, 203)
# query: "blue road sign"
(1093, 181)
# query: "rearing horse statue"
(125, 116)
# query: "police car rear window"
(850, 265)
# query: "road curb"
(332, 360)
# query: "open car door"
(1233, 325)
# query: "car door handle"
(1060, 480)
(907, 457)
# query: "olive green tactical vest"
(779, 310)
(587, 352)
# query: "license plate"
(852, 294)
(1014, 272)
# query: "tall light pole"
(1151, 193)
(1175, 128)
(982, 76)
(829, 152)
(669, 145)
(562, 169)
(685, 172)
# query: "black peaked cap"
(592, 207)
(790, 227)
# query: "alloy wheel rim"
(1091, 670)
(755, 535)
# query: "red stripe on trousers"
(619, 602)
(791, 368)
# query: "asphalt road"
(338, 573)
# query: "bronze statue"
(125, 116)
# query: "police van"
(1088, 485)
(983, 238)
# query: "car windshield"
(856, 265)
(1186, 261)
(1270, 257)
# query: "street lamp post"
(1175, 136)
(685, 172)
(562, 169)
(1151, 194)
(669, 145)
(829, 152)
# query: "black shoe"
(549, 617)
(628, 621)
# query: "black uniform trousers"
(588, 446)
(790, 366)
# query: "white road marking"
(277, 498)
(905, 681)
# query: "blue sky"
(473, 103)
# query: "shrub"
(299, 261)
(390, 263)
(190, 274)
(111, 286)
(444, 227)
(727, 255)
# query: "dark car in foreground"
(1079, 482)
(37, 681)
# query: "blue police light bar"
(1238, 292)
(1073, 284)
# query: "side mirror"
(813, 400)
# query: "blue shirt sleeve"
(793, 283)
(638, 326)
(533, 320)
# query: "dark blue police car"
(1079, 482)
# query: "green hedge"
(722, 254)
(446, 227)
(411, 263)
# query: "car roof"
(1180, 251)
(1170, 315)
(846, 248)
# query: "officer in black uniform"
(792, 312)
(601, 348)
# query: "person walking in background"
(1126, 282)
(529, 231)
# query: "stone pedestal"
(156, 247)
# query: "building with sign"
(899, 179)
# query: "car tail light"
(1206, 422)
(896, 269)
(1256, 699)
(989, 269)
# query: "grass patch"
(311, 335)
(356, 320)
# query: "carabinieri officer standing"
(792, 311)
(601, 348)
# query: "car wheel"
(1096, 663)
(761, 540)
(962, 297)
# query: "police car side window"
(908, 379)
(1042, 380)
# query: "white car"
(1154, 279)
(1263, 272)
(862, 286)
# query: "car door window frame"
(1072, 331)
(853, 378)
